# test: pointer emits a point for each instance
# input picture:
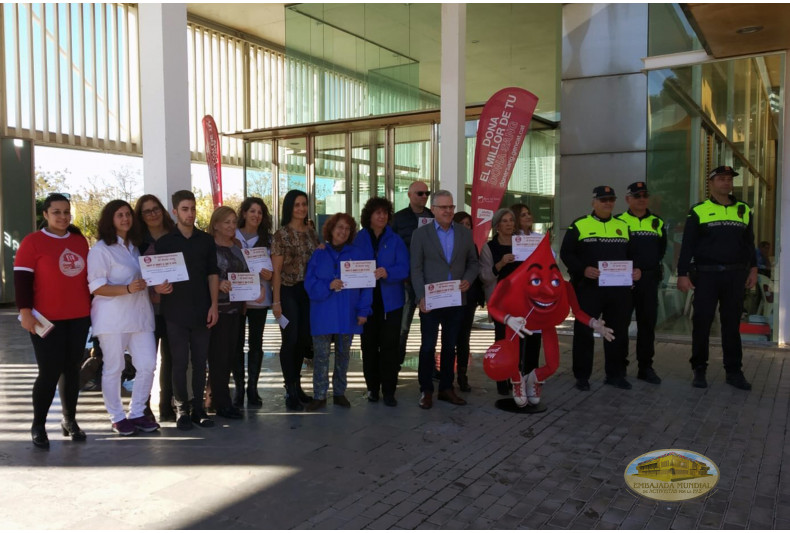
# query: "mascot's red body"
(537, 291)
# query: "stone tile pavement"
(375, 467)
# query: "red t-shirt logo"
(71, 264)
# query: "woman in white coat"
(122, 316)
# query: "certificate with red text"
(443, 294)
(524, 245)
(160, 268)
(244, 286)
(258, 259)
(358, 274)
(421, 221)
(615, 273)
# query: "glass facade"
(701, 117)
(71, 75)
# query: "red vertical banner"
(504, 124)
(213, 159)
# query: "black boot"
(503, 388)
(699, 380)
(292, 402)
(254, 361)
(463, 381)
(39, 434)
(303, 397)
(69, 427)
(238, 393)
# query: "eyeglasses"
(607, 200)
(449, 207)
(640, 195)
(423, 193)
(151, 212)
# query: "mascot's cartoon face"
(545, 289)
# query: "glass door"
(367, 169)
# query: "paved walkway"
(372, 466)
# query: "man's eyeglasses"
(422, 193)
(151, 212)
(450, 207)
(640, 195)
(607, 200)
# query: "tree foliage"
(124, 183)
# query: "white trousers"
(142, 348)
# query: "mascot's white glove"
(601, 329)
(517, 323)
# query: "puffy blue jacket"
(334, 311)
(394, 257)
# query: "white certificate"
(421, 221)
(524, 245)
(159, 268)
(244, 286)
(443, 294)
(358, 274)
(258, 259)
(615, 273)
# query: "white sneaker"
(519, 395)
(532, 388)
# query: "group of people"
(59, 279)
(716, 259)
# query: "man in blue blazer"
(441, 251)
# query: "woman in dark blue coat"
(336, 313)
(381, 334)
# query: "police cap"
(636, 187)
(721, 170)
(603, 191)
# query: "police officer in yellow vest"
(589, 240)
(648, 245)
(717, 260)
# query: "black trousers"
(725, 289)
(59, 356)
(528, 347)
(462, 350)
(165, 364)
(188, 344)
(256, 317)
(380, 350)
(645, 300)
(614, 304)
(409, 306)
(449, 318)
(222, 348)
(296, 338)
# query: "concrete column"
(452, 154)
(604, 104)
(164, 95)
(782, 263)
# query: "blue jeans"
(321, 364)
(450, 319)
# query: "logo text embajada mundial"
(672, 475)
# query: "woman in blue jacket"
(381, 334)
(335, 313)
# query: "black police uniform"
(590, 239)
(717, 253)
(648, 245)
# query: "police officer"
(590, 239)
(717, 260)
(648, 245)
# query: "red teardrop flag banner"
(213, 159)
(504, 123)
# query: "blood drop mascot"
(535, 297)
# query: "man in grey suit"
(441, 251)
